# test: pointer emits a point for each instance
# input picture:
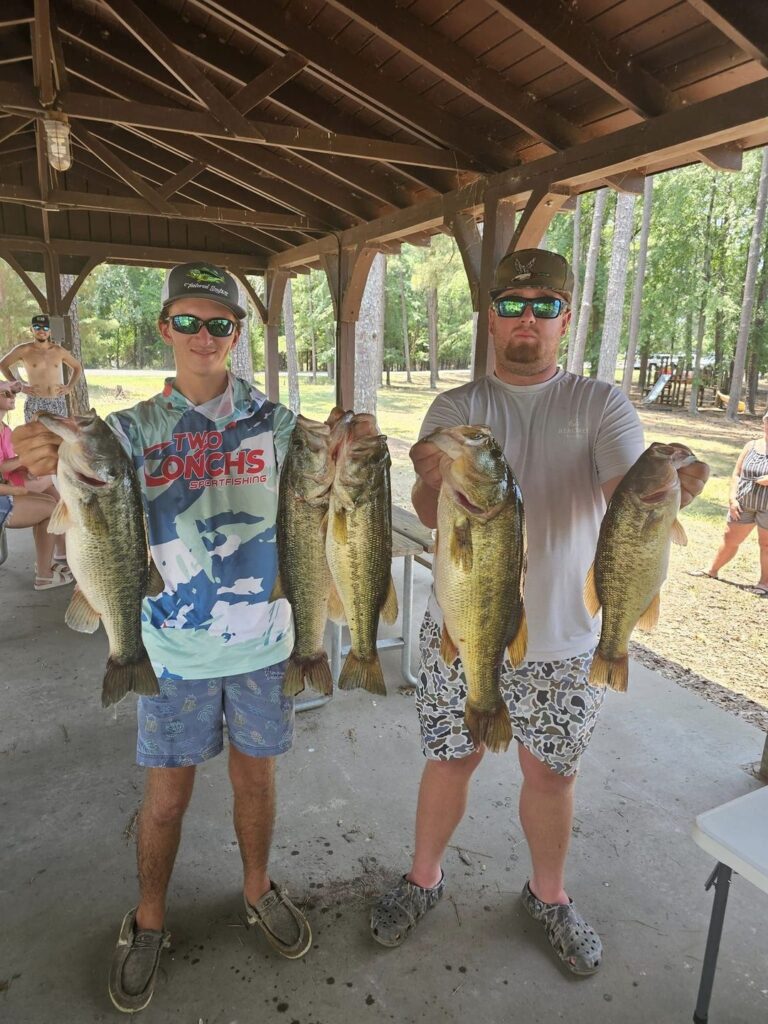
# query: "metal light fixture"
(57, 142)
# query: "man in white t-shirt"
(569, 441)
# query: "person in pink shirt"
(28, 502)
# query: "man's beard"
(525, 359)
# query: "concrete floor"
(69, 791)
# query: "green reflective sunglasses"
(217, 326)
(543, 309)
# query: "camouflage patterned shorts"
(552, 706)
(34, 405)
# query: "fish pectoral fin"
(389, 609)
(650, 616)
(277, 589)
(155, 582)
(518, 645)
(335, 607)
(591, 599)
(81, 615)
(60, 520)
(340, 526)
(678, 534)
(461, 544)
(449, 652)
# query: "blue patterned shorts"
(553, 708)
(33, 405)
(6, 507)
(183, 726)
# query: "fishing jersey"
(209, 479)
(563, 439)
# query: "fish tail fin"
(317, 672)
(137, 676)
(612, 672)
(362, 673)
(493, 728)
(293, 681)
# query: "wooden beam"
(67, 300)
(134, 18)
(15, 12)
(11, 125)
(261, 309)
(32, 288)
(723, 158)
(123, 171)
(449, 61)
(466, 234)
(355, 77)
(42, 55)
(498, 228)
(541, 207)
(43, 180)
(52, 282)
(181, 178)
(264, 84)
(147, 255)
(744, 22)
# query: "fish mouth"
(90, 481)
(465, 503)
(655, 497)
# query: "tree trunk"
(79, 402)
(617, 283)
(757, 338)
(370, 327)
(294, 400)
(590, 273)
(693, 405)
(313, 338)
(748, 299)
(576, 270)
(406, 339)
(241, 359)
(637, 292)
(432, 327)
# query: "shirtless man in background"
(43, 361)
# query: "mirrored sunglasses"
(217, 326)
(543, 309)
(40, 327)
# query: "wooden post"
(274, 283)
(347, 273)
(498, 228)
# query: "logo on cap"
(206, 275)
(523, 270)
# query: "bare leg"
(35, 510)
(253, 784)
(442, 801)
(734, 534)
(546, 814)
(762, 540)
(166, 798)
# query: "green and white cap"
(533, 268)
(202, 281)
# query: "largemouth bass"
(304, 579)
(479, 570)
(359, 546)
(632, 557)
(102, 514)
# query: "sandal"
(286, 928)
(760, 589)
(576, 944)
(134, 965)
(59, 577)
(702, 572)
(396, 913)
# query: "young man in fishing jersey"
(569, 441)
(207, 451)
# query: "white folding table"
(736, 834)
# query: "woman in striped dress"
(747, 508)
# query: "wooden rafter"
(9, 126)
(269, 81)
(135, 19)
(42, 54)
(79, 281)
(181, 178)
(123, 171)
(745, 24)
(355, 77)
(15, 12)
(450, 62)
(12, 262)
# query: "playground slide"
(658, 387)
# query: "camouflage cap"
(533, 268)
(202, 281)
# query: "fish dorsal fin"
(155, 582)
(518, 645)
(449, 652)
(678, 534)
(650, 616)
(389, 608)
(591, 599)
(461, 544)
(340, 526)
(60, 520)
(81, 615)
(335, 607)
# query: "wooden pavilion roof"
(263, 135)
